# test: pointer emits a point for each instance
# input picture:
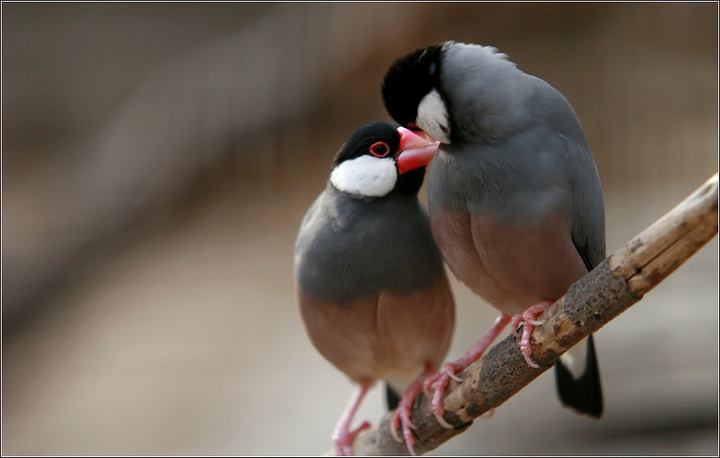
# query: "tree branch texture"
(612, 287)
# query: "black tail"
(391, 398)
(583, 394)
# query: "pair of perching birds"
(515, 210)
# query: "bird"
(514, 195)
(370, 282)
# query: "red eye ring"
(379, 149)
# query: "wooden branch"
(611, 288)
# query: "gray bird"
(370, 281)
(514, 196)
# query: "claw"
(529, 318)
(401, 416)
(437, 406)
(394, 425)
(442, 421)
(442, 380)
(489, 414)
(410, 442)
(452, 375)
(530, 362)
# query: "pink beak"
(415, 151)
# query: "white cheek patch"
(366, 175)
(432, 117)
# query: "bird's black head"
(408, 80)
(366, 164)
(376, 139)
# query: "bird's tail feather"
(578, 380)
(392, 398)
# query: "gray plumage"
(521, 145)
(370, 283)
(350, 247)
(514, 196)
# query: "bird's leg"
(529, 320)
(343, 438)
(441, 379)
(401, 417)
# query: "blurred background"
(157, 159)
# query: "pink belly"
(510, 266)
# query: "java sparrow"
(370, 281)
(514, 195)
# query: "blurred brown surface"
(158, 158)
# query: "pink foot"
(529, 320)
(343, 437)
(442, 379)
(401, 417)
(344, 440)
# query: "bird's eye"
(412, 126)
(379, 149)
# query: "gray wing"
(587, 217)
(588, 210)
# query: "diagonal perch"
(611, 288)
